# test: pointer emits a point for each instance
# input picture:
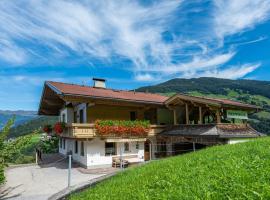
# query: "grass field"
(239, 171)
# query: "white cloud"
(233, 72)
(126, 29)
(144, 77)
(235, 16)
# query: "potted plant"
(47, 128)
(59, 127)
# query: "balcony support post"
(187, 114)
(174, 116)
(200, 115)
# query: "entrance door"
(147, 150)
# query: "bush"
(49, 145)
(2, 177)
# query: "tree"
(3, 135)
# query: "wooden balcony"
(77, 130)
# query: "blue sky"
(130, 43)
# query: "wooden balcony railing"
(84, 130)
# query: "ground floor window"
(110, 148)
(82, 148)
(64, 144)
(137, 145)
(76, 146)
(126, 147)
(61, 143)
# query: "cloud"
(109, 30)
(144, 77)
(231, 17)
(233, 72)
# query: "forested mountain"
(31, 125)
(247, 91)
(21, 116)
(25, 121)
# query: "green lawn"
(240, 171)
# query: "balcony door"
(81, 116)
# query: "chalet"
(176, 124)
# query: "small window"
(76, 146)
(126, 146)
(64, 144)
(133, 115)
(137, 145)
(110, 148)
(64, 117)
(81, 116)
(82, 148)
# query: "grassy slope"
(239, 171)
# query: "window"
(110, 148)
(61, 143)
(63, 117)
(82, 148)
(126, 146)
(75, 117)
(76, 146)
(81, 116)
(64, 144)
(133, 115)
(137, 145)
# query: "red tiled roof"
(72, 89)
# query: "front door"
(147, 150)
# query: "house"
(178, 124)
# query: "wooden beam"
(187, 114)
(200, 115)
(174, 117)
(218, 116)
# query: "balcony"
(77, 130)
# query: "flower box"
(122, 128)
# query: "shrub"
(49, 145)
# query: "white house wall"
(96, 152)
(82, 106)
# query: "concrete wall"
(111, 112)
(237, 140)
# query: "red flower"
(47, 128)
(59, 127)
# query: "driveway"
(39, 183)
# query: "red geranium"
(47, 128)
(59, 127)
(122, 128)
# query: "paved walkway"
(39, 183)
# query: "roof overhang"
(51, 101)
(182, 98)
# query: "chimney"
(99, 83)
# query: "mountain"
(25, 121)
(248, 91)
(29, 126)
(21, 116)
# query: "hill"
(238, 171)
(31, 125)
(247, 91)
(21, 116)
